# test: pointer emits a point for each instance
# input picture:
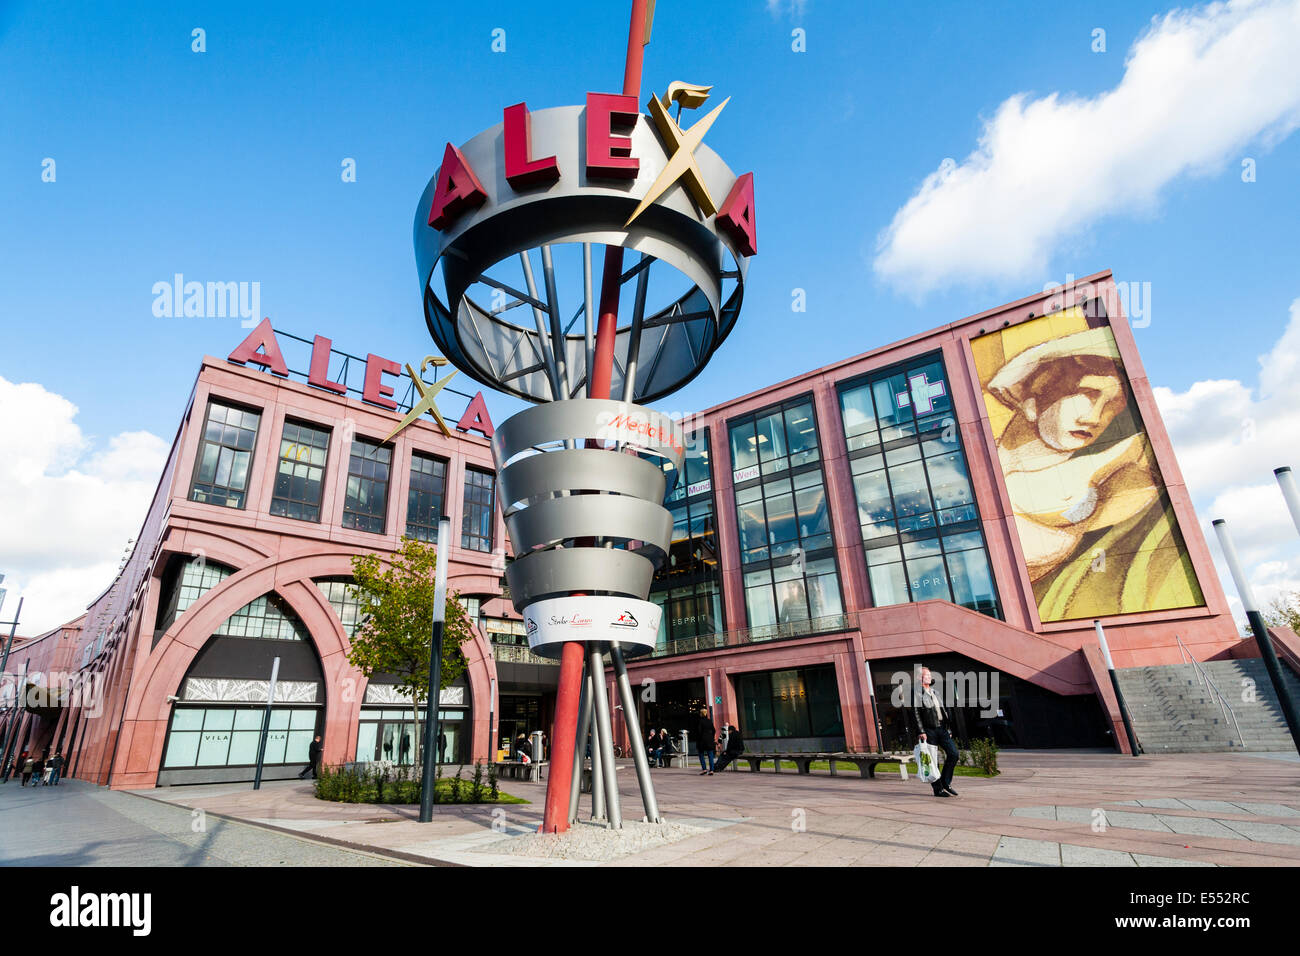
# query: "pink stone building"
(852, 521)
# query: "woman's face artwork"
(1071, 413)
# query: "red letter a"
(262, 337)
(736, 217)
(458, 189)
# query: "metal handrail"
(1224, 707)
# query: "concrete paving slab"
(1013, 851)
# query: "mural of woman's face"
(1076, 416)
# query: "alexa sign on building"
(262, 348)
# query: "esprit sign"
(262, 348)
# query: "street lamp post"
(433, 698)
(1286, 481)
(1257, 626)
(1133, 747)
(266, 724)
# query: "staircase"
(1173, 712)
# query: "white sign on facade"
(554, 622)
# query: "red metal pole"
(567, 695)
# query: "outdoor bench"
(866, 763)
(518, 770)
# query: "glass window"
(224, 455)
(688, 585)
(477, 521)
(185, 585)
(266, 618)
(784, 522)
(744, 451)
(424, 502)
(366, 500)
(803, 702)
(345, 598)
(301, 472)
(911, 481)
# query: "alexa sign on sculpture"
(582, 479)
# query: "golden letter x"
(427, 395)
(681, 163)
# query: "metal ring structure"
(586, 519)
(665, 350)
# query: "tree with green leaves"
(1284, 611)
(396, 606)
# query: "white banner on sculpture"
(599, 620)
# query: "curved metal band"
(574, 208)
(579, 469)
(544, 574)
(589, 516)
(589, 418)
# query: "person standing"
(708, 742)
(38, 771)
(735, 747)
(29, 768)
(56, 767)
(932, 721)
(313, 758)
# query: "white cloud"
(1229, 436)
(1199, 86)
(69, 503)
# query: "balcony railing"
(829, 624)
(515, 654)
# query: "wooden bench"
(518, 770)
(866, 763)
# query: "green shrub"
(984, 755)
(494, 790)
(354, 784)
(476, 786)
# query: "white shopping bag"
(926, 757)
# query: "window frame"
(410, 489)
(768, 563)
(388, 486)
(898, 538)
(213, 399)
(324, 473)
(491, 505)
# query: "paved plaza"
(1045, 809)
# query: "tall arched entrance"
(216, 719)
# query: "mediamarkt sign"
(262, 348)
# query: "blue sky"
(225, 166)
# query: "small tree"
(396, 604)
(1284, 611)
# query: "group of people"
(706, 736)
(523, 748)
(659, 747)
(45, 769)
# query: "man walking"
(313, 758)
(932, 721)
